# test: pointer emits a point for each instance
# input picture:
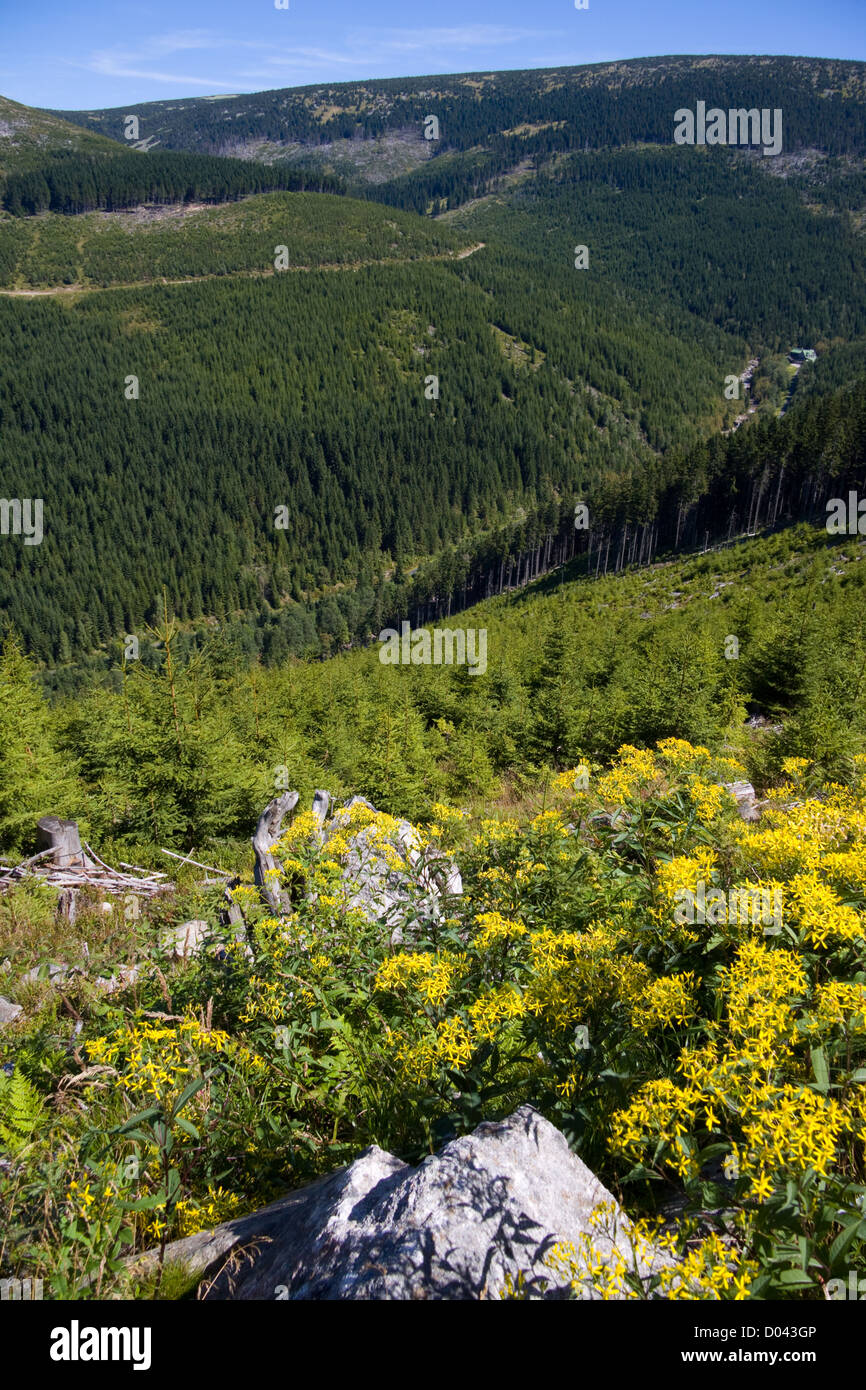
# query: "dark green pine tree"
(550, 722)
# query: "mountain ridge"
(357, 111)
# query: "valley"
(449, 486)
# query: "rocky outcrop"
(486, 1209)
(385, 893)
(393, 896)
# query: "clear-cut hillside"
(28, 136)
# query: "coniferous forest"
(300, 390)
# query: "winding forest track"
(240, 274)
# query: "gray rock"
(57, 974)
(187, 940)
(9, 1011)
(50, 971)
(184, 941)
(407, 896)
(396, 897)
(489, 1205)
(747, 803)
(126, 975)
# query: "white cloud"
(372, 47)
(113, 68)
(125, 61)
(361, 46)
(299, 58)
(460, 37)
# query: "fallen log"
(185, 859)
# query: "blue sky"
(88, 53)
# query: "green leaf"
(140, 1135)
(640, 1173)
(795, 1278)
(848, 1233)
(188, 1092)
(156, 1199)
(820, 1068)
(757, 1288)
(490, 1092)
(713, 1151)
(143, 1117)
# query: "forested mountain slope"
(181, 240)
(70, 183)
(186, 742)
(313, 392)
(824, 101)
(304, 391)
(432, 394)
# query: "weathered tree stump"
(231, 913)
(62, 838)
(268, 831)
(67, 905)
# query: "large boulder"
(191, 938)
(486, 1208)
(393, 896)
(9, 1011)
(389, 873)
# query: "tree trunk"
(61, 836)
(268, 831)
(67, 905)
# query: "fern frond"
(21, 1111)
